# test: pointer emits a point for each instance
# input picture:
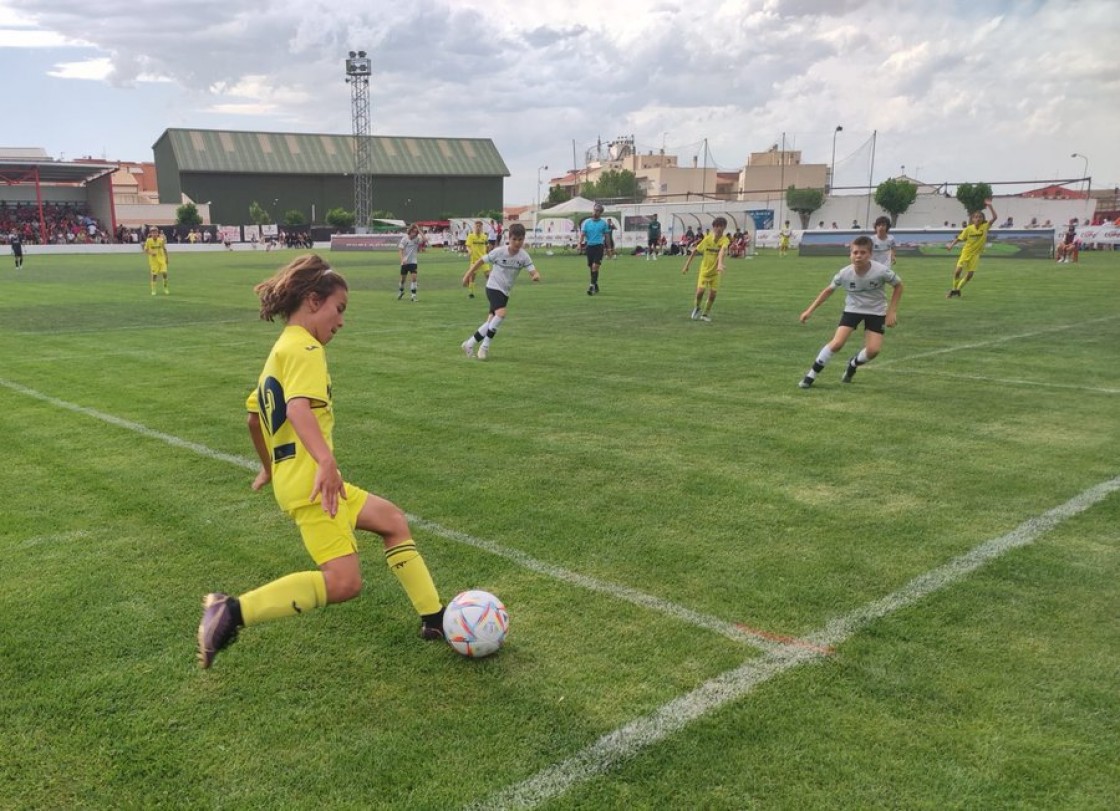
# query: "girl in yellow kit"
(291, 420)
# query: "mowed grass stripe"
(642, 733)
(737, 633)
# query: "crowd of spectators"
(66, 223)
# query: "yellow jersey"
(478, 246)
(156, 249)
(709, 247)
(975, 239)
(296, 368)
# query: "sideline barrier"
(1009, 243)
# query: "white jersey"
(409, 247)
(505, 268)
(881, 249)
(867, 292)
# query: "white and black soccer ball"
(475, 623)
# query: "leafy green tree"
(187, 215)
(804, 202)
(258, 215)
(895, 196)
(340, 218)
(294, 216)
(556, 196)
(614, 185)
(489, 214)
(382, 214)
(973, 196)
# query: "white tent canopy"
(576, 205)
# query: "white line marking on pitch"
(633, 738)
(767, 643)
(1008, 381)
(994, 341)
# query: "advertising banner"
(1010, 243)
(365, 242)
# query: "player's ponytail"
(305, 275)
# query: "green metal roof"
(286, 153)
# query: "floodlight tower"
(358, 71)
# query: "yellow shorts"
(328, 538)
(157, 267)
(710, 280)
(968, 265)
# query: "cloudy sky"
(971, 91)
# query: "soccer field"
(724, 592)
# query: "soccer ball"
(475, 623)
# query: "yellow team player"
(975, 239)
(291, 422)
(783, 239)
(155, 246)
(477, 247)
(714, 248)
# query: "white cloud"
(939, 86)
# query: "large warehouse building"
(413, 178)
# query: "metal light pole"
(1085, 174)
(358, 70)
(537, 210)
(1085, 170)
(832, 165)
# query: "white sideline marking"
(61, 537)
(994, 341)
(1008, 381)
(640, 734)
(726, 629)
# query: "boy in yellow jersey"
(478, 246)
(291, 421)
(714, 249)
(155, 246)
(784, 234)
(975, 239)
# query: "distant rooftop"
(24, 153)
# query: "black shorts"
(594, 255)
(654, 242)
(497, 299)
(871, 323)
(17, 249)
(406, 269)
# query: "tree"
(187, 214)
(556, 196)
(614, 185)
(340, 218)
(257, 214)
(895, 196)
(381, 214)
(294, 216)
(973, 196)
(804, 202)
(489, 214)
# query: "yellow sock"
(290, 595)
(405, 562)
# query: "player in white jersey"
(409, 246)
(882, 243)
(506, 261)
(864, 281)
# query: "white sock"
(824, 355)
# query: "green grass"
(608, 437)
